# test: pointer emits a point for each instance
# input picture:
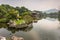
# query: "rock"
(17, 38)
(35, 21)
(13, 24)
(20, 25)
(2, 38)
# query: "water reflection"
(13, 30)
(3, 25)
(47, 24)
(44, 29)
(9, 32)
(48, 29)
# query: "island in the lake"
(18, 17)
(21, 17)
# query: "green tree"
(13, 14)
(28, 18)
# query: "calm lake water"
(44, 29)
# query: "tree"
(22, 10)
(28, 18)
(13, 14)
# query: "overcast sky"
(34, 4)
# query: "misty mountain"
(51, 11)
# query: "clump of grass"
(21, 21)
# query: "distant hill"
(51, 11)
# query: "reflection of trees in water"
(13, 30)
(59, 18)
(59, 15)
(3, 25)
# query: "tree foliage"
(8, 13)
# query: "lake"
(45, 29)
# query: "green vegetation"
(20, 21)
(19, 15)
